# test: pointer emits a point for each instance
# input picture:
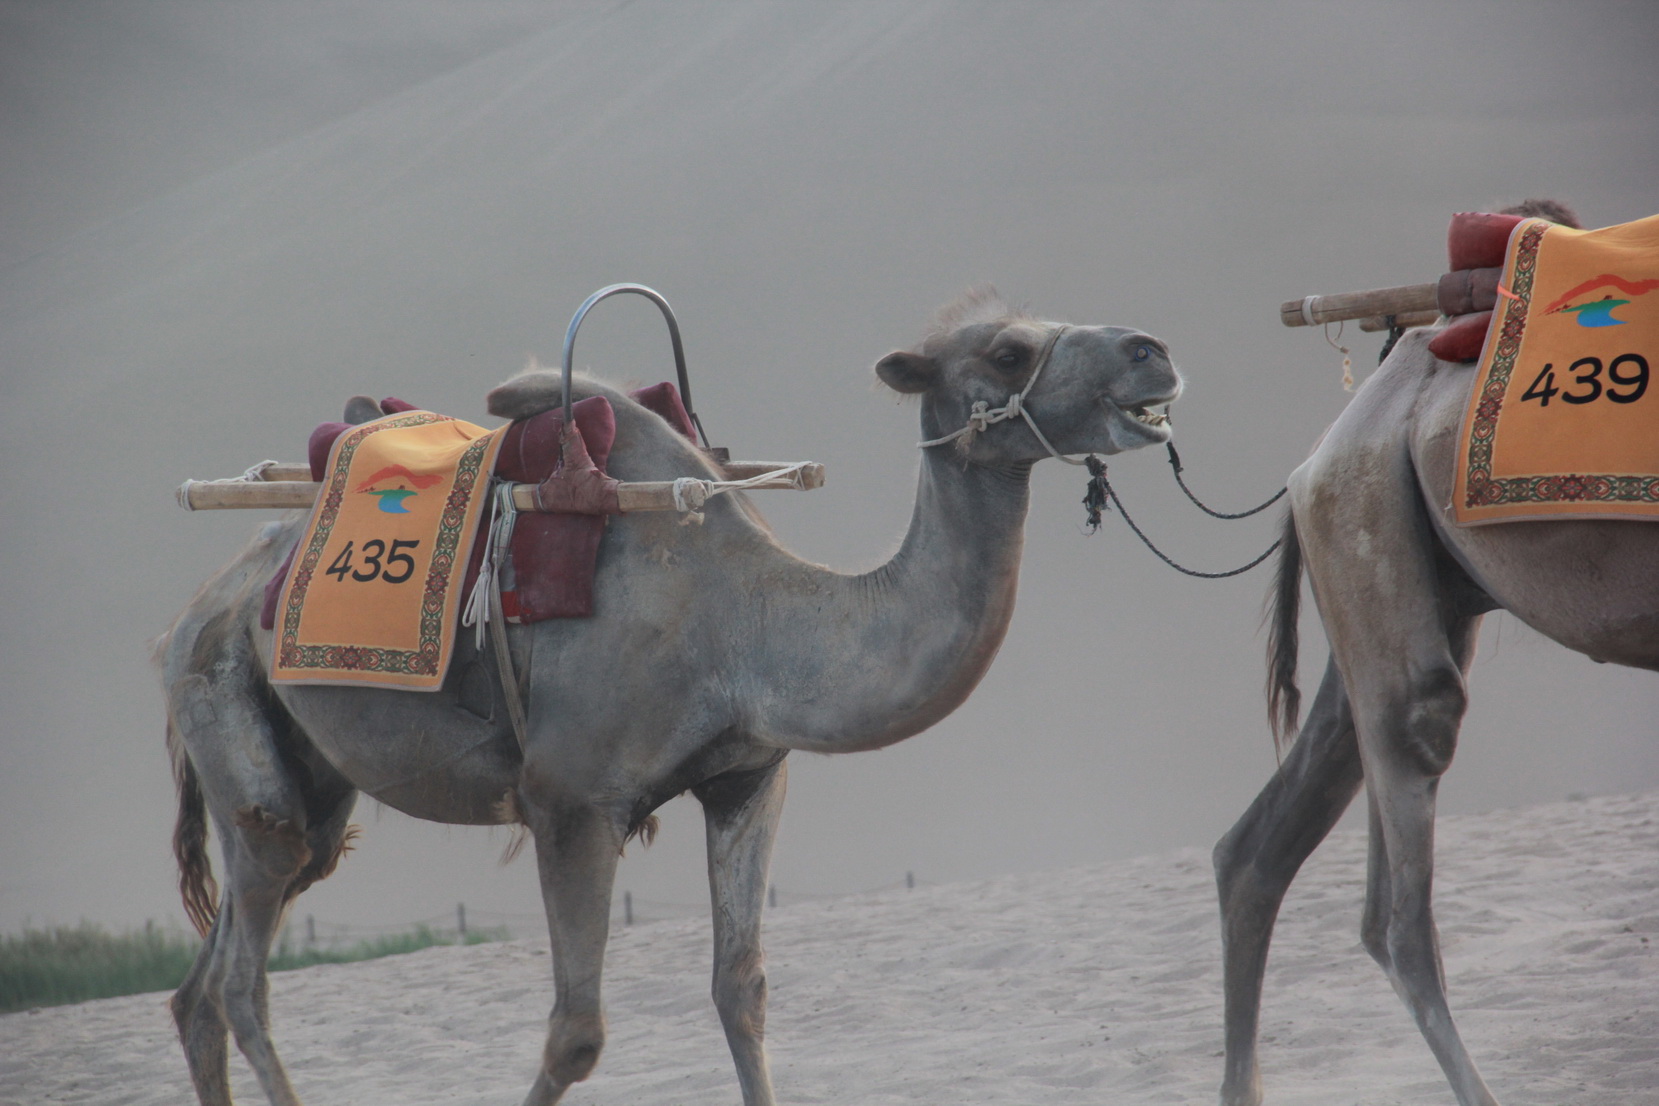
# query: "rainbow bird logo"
(391, 498)
(1599, 312)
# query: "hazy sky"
(222, 219)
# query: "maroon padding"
(1465, 291)
(664, 399)
(554, 555)
(322, 441)
(273, 590)
(1463, 339)
(1478, 240)
(577, 486)
(392, 405)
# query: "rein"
(1101, 495)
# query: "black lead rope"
(1101, 495)
(1175, 463)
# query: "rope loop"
(1101, 494)
(1175, 463)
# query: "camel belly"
(417, 752)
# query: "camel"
(713, 653)
(1401, 591)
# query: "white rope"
(980, 416)
(254, 475)
(1307, 310)
(691, 493)
(497, 541)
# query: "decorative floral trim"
(1482, 490)
(364, 658)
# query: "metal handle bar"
(673, 337)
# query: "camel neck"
(913, 637)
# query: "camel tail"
(1284, 698)
(197, 886)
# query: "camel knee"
(1236, 874)
(276, 844)
(1430, 717)
(1373, 935)
(740, 995)
(574, 1043)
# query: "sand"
(1087, 985)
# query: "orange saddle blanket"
(376, 582)
(1564, 418)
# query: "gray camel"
(1401, 592)
(713, 653)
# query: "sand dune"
(1084, 985)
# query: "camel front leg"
(740, 813)
(577, 847)
(1260, 856)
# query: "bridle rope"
(1101, 494)
(980, 415)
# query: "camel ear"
(907, 372)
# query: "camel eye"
(1009, 358)
(1142, 352)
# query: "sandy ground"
(1086, 985)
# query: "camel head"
(1077, 389)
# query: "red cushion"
(1463, 339)
(1478, 240)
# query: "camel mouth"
(1153, 425)
(1149, 418)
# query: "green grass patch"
(64, 964)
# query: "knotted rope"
(691, 493)
(981, 417)
(254, 475)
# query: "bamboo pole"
(1375, 323)
(218, 495)
(644, 495)
(1396, 301)
(279, 470)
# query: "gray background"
(222, 219)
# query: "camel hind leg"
(1259, 857)
(279, 831)
(1402, 633)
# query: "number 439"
(1588, 374)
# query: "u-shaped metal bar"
(673, 336)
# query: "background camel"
(713, 653)
(1401, 592)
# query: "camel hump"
(529, 393)
(361, 409)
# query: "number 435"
(373, 551)
(1588, 370)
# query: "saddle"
(550, 568)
